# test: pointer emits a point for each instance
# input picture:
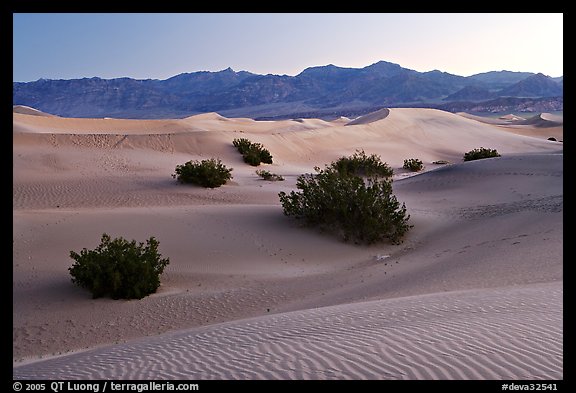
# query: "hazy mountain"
(322, 90)
(497, 80)
(507, 105)
(538, 85)
(203, 82)
(94, 97)
(470, 93)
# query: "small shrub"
(360, 164)
(267, 175)
(441, 162)
(119, 268)
(210, 173)
(338, 200)
(552, 139)
(480, 153)
(253, 153)
(413, 164)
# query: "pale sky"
(161, 45)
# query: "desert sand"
(473, 292)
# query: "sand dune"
(544, 125)
(299, 146)
(511, 117)
(26, 110)
(503, 333)
(552, 117)
(341, 120)
(474, 292)
(371, 117)
(543, 120)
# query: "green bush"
(253, 153)
(361, 164)
(210, 173)
(480, 153)
(267, 175)
(265, 155)
(413, 164)
(242, 144)
(252, 157)
(363, 210)
(119, 268)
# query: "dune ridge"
(473, 292)
(371, 117)
(29, 110)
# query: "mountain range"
(322, 91)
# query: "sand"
(473, 292)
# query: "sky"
(161, 45)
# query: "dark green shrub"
(252, 157)
(206, 173)
(361, 164)
(267, 175)
(265, 155)
(253, 153)
(242, 144)
(480, 153)
(413, 164)
(119, 268)
(359, 209)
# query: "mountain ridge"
(324, 90)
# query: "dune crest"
(544, 120)
(26, 110)
(371, 117)
(208, 116)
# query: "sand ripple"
(505, 333)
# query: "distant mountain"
(318, 91)
(538, 85)
(474, 93)
(203, 82)
(95, 97)
(506, 104)
(497, 80)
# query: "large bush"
(210, 173)
(253, 153)
(361, 164)
(119, 268)
(242, 145)
(361, 209)
(480, 153)
(413, 164)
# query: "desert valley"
(475, 290)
